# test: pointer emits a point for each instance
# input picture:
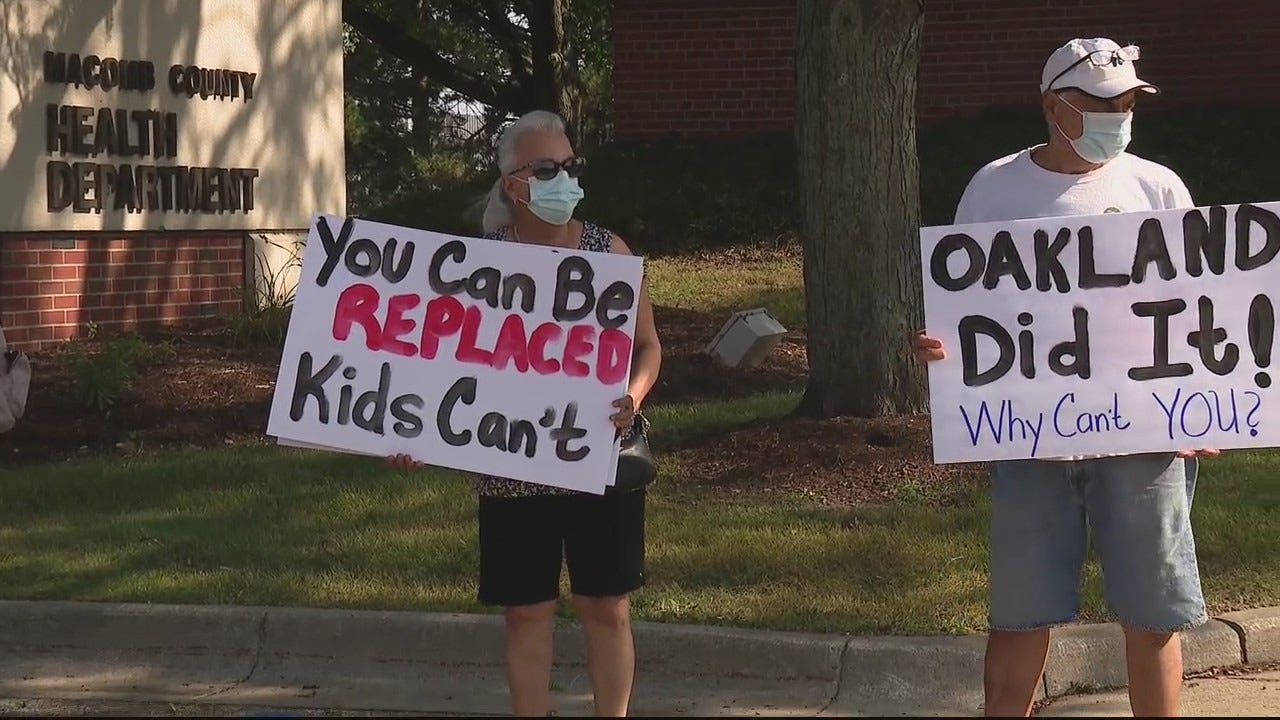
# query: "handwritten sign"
(490, 357)
(1120, 333)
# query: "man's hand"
(404, 462)
(1206, 452)
(927, 349)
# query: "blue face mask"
(1105, 135)
(553, 201)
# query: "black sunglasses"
(1101, 58)
(547, 169)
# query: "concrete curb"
(451, 663)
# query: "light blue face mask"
(1105, 135)
(553, 201)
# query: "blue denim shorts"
(1139, 510)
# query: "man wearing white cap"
(1138, 506)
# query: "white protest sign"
(1121, 333)
(484, 356)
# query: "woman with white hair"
(527, 530)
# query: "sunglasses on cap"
(547, 169)
(1101, 58)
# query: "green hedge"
(679, 196)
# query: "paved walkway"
(1254, 695)
(316, 660)
(1241, 696)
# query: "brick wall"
(146, 279)
(702, 67)
(725, 67)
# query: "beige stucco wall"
(276, 266)
(290, 130)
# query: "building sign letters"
(138, 137)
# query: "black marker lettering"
(455, 250)
(618, 297)
(393, 272)
(523, 283)
(1077, 349)
(941, 273)
(333, 249)
(1262, 331)
(1208, 337)
(969, 328)
(485, 284)
(1205, 243)
(1049, 270)
(569, 431)
(1160, 311)
(408, 423)
(1247, 216)
(370, 408)
(464, 390)
(1089, 277)
(1152, 249)
(308, 384)
(574, 275)
(1003, 259)
(362, 258)
(1026, 346)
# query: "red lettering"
(543, 334)
(614, 359)
(444, 318)
(467, 351)
(397, 325)
(578, 344)
(511, 345)
(357, 304)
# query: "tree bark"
(552, 81)
(856, 68)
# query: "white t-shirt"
(1015, 187)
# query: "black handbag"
(636, 466)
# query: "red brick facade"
(725, 67)
(115, 282)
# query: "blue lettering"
(1234, 425)
(1057, 409)
(996, 427)
(1087, 422)
(1208, 415)
(1005, 425)
(1169, 409)
(1248, 419)
(1121, 423)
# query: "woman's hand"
(626, 412)
(1204, 452)
(404, 462)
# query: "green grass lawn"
(770, 278)
(265, 525)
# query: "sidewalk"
(447, 663)
(1250, 695)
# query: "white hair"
(499, 211)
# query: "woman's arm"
(646, 358)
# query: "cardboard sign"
(490, 357)
(1119, 333)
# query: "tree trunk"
(856, 66)
(552, 79)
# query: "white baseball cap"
(1097, 66)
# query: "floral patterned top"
(594, 239)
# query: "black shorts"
(523, 541)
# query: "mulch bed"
(210, 393)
